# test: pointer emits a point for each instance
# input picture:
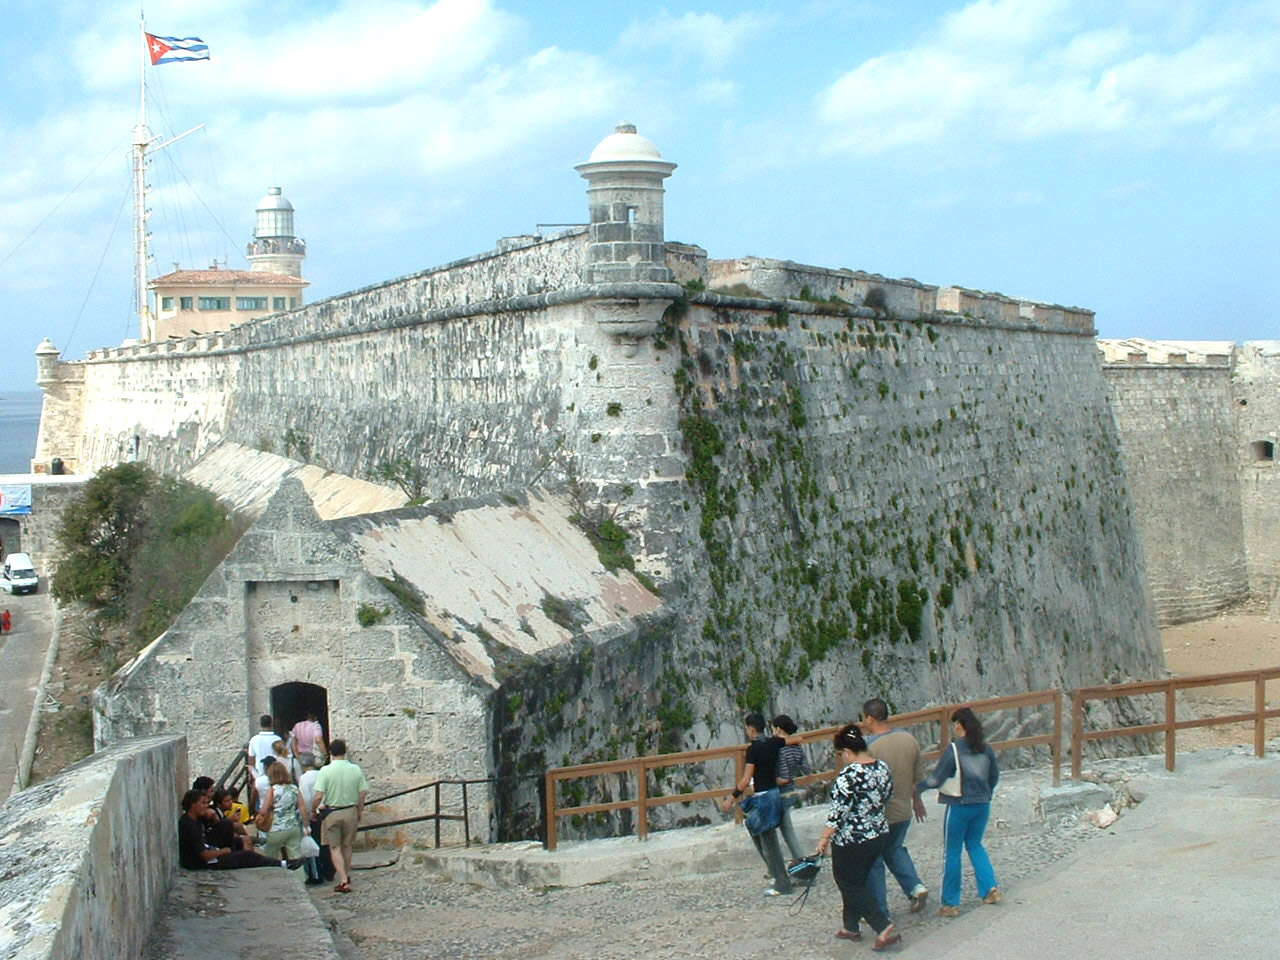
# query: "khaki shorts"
(338, 829)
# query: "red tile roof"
(226, 278)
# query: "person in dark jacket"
(760, 773)
(966, 815)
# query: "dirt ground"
(66, 735)
(1232, 641)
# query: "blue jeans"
(788, 831)
(962, 827)
(899, 862)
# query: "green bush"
(138, 546)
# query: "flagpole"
(141, 139)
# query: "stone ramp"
(1027, 805)
(1188, 873)
(240, 913)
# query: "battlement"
(904, 298)
(1136, 351)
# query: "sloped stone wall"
(1178, 428)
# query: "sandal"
(343, 887)
(886, 939)
(843, 934)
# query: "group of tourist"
(304, 812)
(873, 799)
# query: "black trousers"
(240, 859)
(850, 864)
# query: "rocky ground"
(403, 912)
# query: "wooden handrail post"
(642, 800)
(1077, 733)
(1170, 731)
(1260, 718)
(1055, 748)
(550, 803)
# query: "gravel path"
(404, 912)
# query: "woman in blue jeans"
(966, 814)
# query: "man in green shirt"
(341, 787)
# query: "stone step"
(240, 913)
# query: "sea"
(19, 422)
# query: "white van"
(19, 574)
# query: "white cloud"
(704, 36)
(1026, 69)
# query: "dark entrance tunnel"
(294, 701)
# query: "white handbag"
(951, 785)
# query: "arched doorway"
(294, 701)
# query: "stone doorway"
(10, 536)
(294, 701)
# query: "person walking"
(342, 788)
(760, 773)
(5, 622)
(260, 745)
(857, 832)
(307, 736)
(967, 808)
(319, 868)
(901, 752)
(791, 766)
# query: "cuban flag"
(175, 50)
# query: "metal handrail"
(639, 767)
(239, 761)
(436, 815)
(1171, 724)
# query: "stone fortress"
(662, 487)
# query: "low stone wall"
(90, 853)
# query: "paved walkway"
(22, 653)
(240, 913)
(1189, 873)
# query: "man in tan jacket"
(901, 752)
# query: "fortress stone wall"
(843, 484)
(1256, 394)
(1199, 422)
(1181, 453)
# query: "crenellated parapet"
(1135, 351)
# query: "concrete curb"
(28, 756)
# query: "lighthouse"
(274, 247)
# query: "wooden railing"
(638, 768)
(1171, 724)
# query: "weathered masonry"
(1199, 423)
(839, 484)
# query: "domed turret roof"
(624, 144)
(274, 200)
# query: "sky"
(1118, 155)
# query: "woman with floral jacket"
(857, 832)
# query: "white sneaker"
(773, 892)
(918, 897)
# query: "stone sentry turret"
(626, 245)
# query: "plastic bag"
(309, 847)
